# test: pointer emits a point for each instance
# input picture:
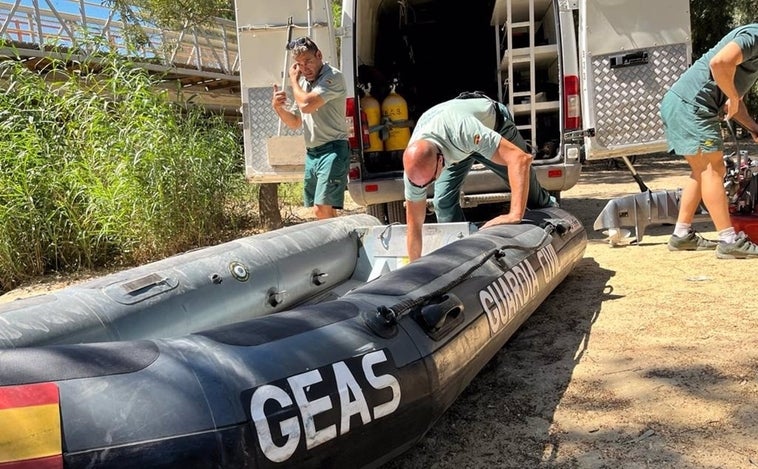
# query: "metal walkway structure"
(199, 65)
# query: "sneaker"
(691, 242)
(741, 248)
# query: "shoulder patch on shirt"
(477, 137)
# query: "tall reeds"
(97, 167)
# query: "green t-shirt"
(328, 123)
(696, 85)
(459, 127)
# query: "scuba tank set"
(389, 126)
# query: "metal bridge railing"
(34, 25)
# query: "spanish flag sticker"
(30, 427)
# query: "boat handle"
(141, 283)
(435, 315)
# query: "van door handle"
(630, 60)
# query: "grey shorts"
(690, 128)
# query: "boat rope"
(391, 314)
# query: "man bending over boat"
(447, 140)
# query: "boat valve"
(318, 277)
(383, 322)
(239, 271)
(500, 257)
(388, 315)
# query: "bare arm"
(307, 102)
(518, 163)
(723, 65)
(279, 104)
(746, 120)
(415, 212)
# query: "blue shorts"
(690, 128)
(325, 178)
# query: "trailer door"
(631, 52)
(273, 152)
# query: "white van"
(582, 78)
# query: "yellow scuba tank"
(395, 108)
(373, 110)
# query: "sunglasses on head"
(434, 176)
(302, 42)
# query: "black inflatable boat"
(348, 376)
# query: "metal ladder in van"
(530, 94)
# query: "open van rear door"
(273, 152)
(631, 52)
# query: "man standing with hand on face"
(319, 96)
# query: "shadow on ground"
(513, 400)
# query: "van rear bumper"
(480, 181)
(376, 191)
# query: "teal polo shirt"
(459, 127)
(328, 123)
(696, 85)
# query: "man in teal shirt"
(319, 95)
(446, 141)
(692, 111)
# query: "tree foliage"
(173, 14)
(711, 20)
(178, 14)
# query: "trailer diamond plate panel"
(627, 98)
(261, 122)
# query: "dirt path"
(640, 358)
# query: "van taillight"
(571, 106)
(354, 173)
(356, 127)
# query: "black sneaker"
(691, 242)
(741, 248)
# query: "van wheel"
(396, 212)
(389, 213)
(379, 211)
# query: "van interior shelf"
(528, 66)
(544, 106)
(519, 10)
(544, 56)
